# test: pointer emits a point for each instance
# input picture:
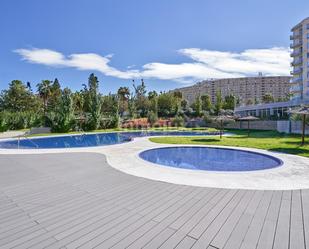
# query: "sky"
(168, 43)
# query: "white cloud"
(205, 64)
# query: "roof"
(300, 23)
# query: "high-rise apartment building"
(248, 90)
(300, 63)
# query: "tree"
(184, 104)
(141, 101)
(249, 102)
(178, 94)
(177, 97)
(55, 94)
(267, 98)
(197, 106)
(78, 102)
(219, 102)
(93, 103)
(165, 105)
(18, 98)
(178, 121)
(123, 94)
(152, 94)
(229, 102)
(44, 90)
(152, 118)
(62, 119)
(206, 102)
(132, 106)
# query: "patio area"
(76, 200)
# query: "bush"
(178, 121)
(4, 121)
(61, 122)
(19, 120)
(109, 122)
(152, 118)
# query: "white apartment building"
(300, 63)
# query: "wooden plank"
(186, 243)
(297, 239)
(199, 229)
(305, 209)
(235, 225)
(253, 233)
(266, 239)
(282, 235)
(225, 216)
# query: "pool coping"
(278, 160)
(293, 174)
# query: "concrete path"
(11, 134)
(76, 200)
(292, 175)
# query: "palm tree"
(124, 94)
(44, 90)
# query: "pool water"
(87, 140)
(210, 158)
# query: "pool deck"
(76, 200)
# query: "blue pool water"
(213, 159)
(87, 140)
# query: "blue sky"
(169, 43)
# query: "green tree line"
(48, 104)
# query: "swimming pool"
(87, 140)
(210, 158)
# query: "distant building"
(299, 82)
(248, 90)
(300, 63)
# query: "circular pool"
(210, 158)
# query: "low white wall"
(287, 126)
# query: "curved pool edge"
(130, 137)
(279, 162)
(292, 175)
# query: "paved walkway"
(76, 200)
(11, 134)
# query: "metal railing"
(24, 137)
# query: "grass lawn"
(267, 140)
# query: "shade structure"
(223, 118)
(303, 111)
(248, 119)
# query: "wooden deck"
(77, 201)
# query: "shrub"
(178, 121)
(4, 122)
(62, 120)
(152, 118)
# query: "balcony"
(297, 80)
(295, 36)
(297, 71)
(296, 53)
(296, 62)
(296, 44)
(296, 88)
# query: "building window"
(307, 25)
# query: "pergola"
(303, 111)
(248, 119)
